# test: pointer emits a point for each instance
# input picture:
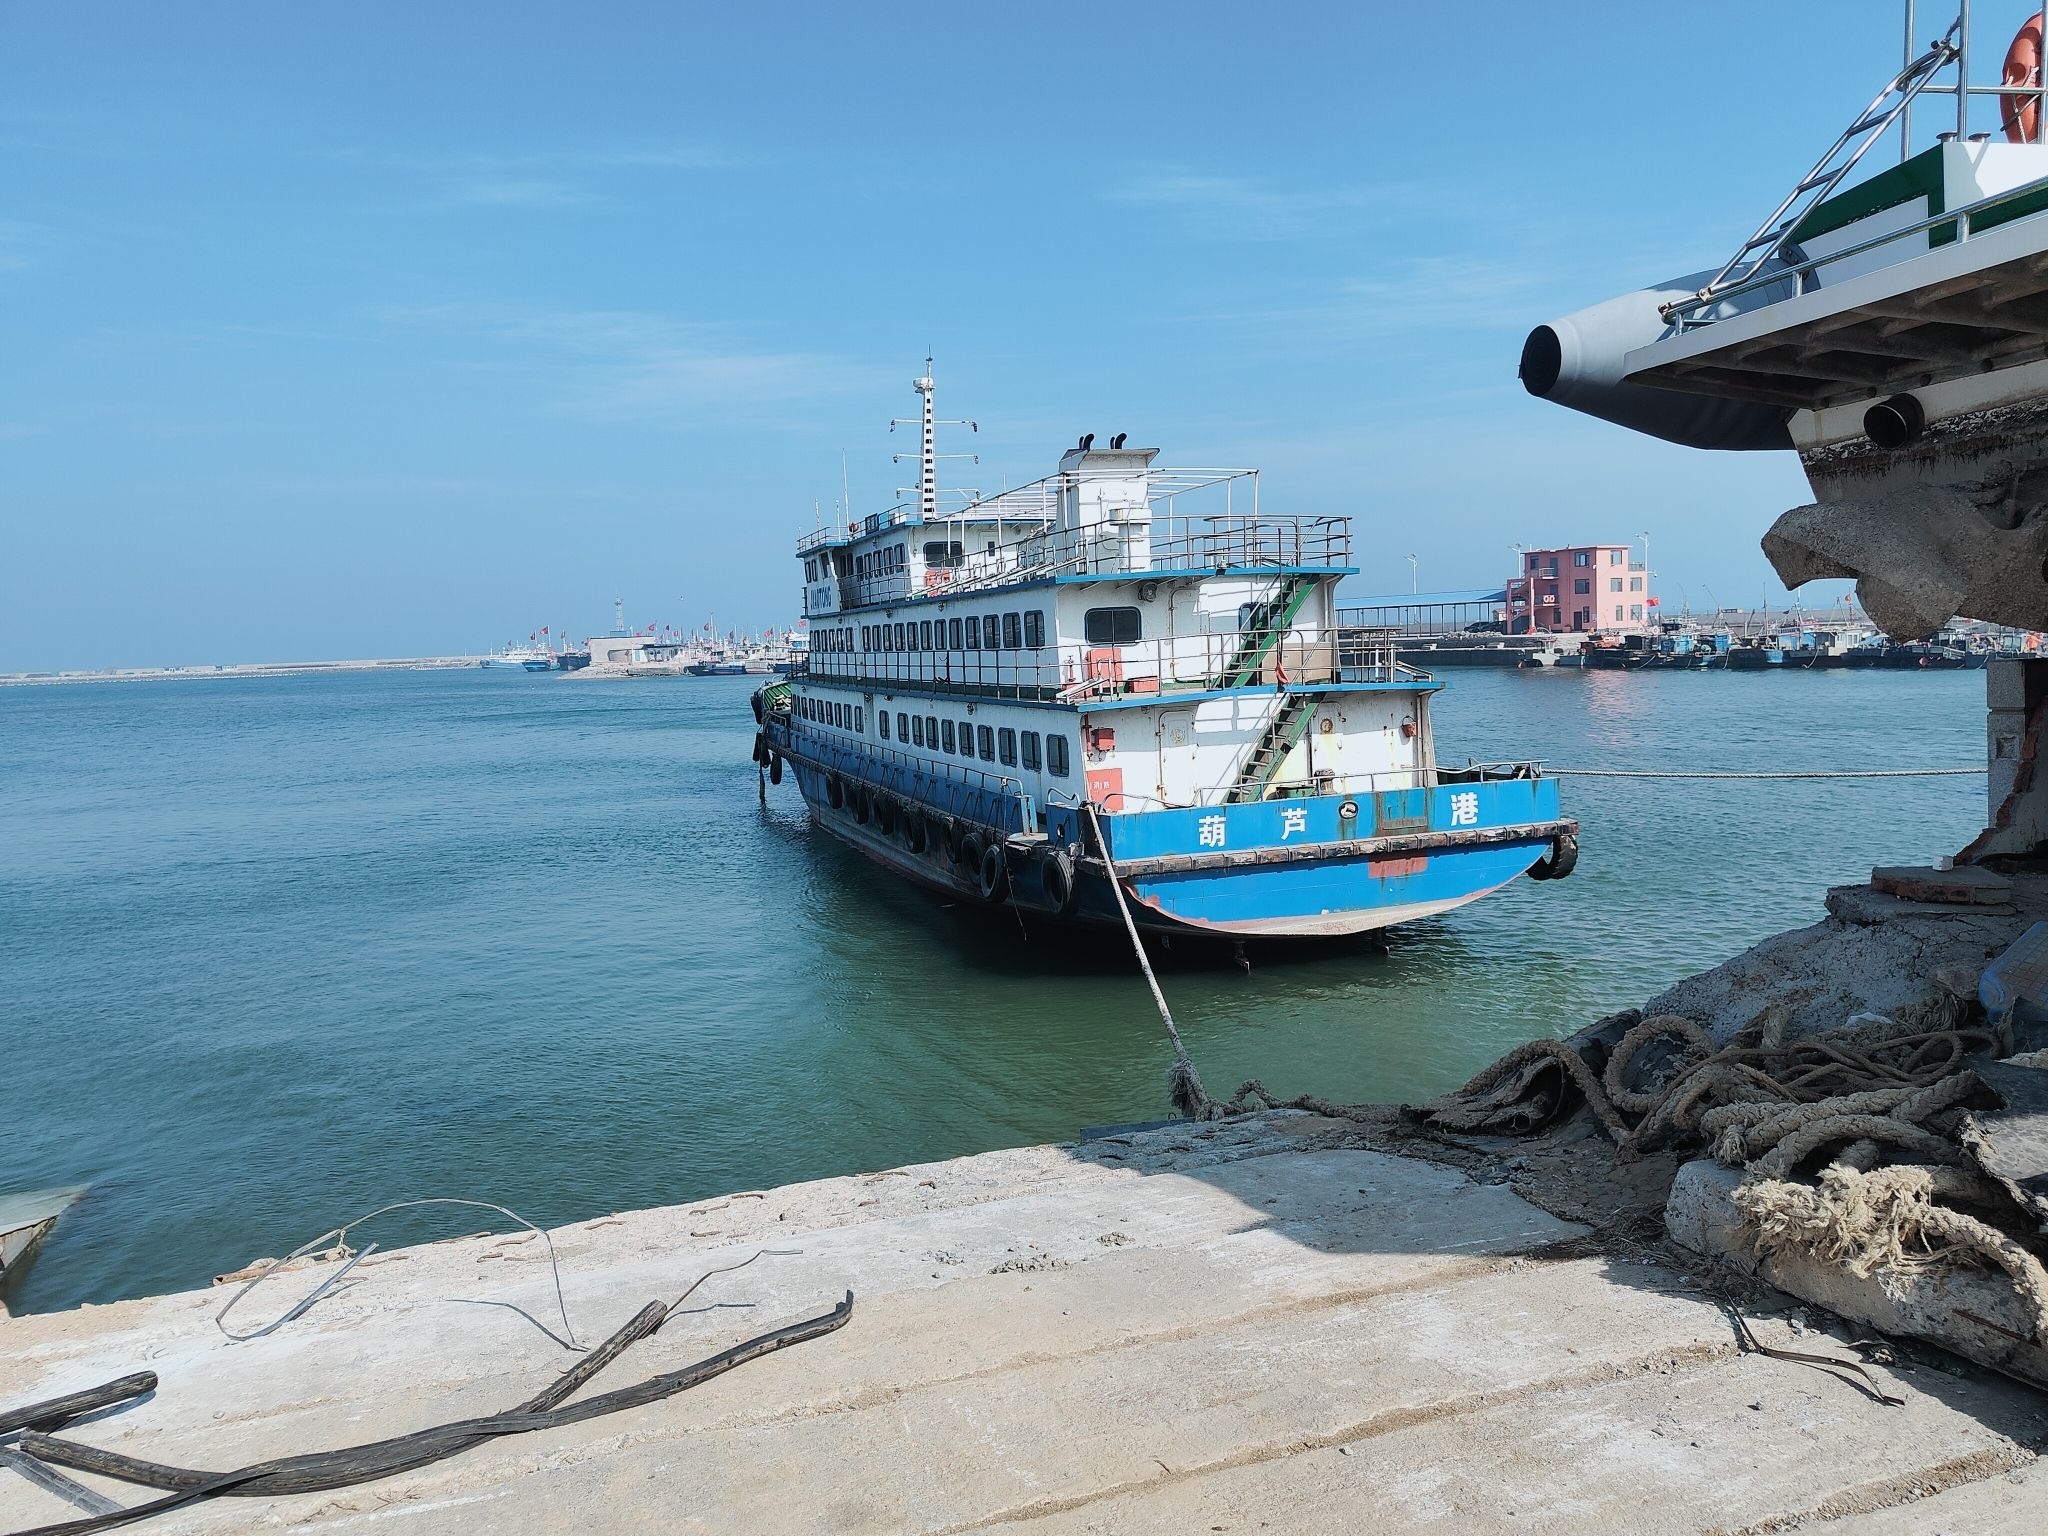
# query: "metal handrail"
(1079, 673)
(1961, 217)
(1819, 183)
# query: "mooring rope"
(1183, 1082)
(1816, 773)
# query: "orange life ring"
(2021, 115)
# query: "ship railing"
(1081, 673)
(992, 799)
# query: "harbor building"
(1580, 589)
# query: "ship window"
(942, 556)
(989, 642)
(885, 725)
(955, 627)
(911, 631)
(973, 634)
(948, 727)
(917, 730)
(1056, 756)
(902, 726)
(896, 637)
(858, 722)
(986, 737)
(931, 732)
(1031, 749)
(966, 738)
(1007, 746)
(1013, 633)
(1034, 630)
(1112, 626)
(924, 632)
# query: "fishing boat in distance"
(1128, 677)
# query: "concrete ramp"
(1232, 1327)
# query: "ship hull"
(1336, 886)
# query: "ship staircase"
(1282, 733)
(1263, 636)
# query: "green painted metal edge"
(1244, 667)
(1921, 176)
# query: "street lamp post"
(1414, 581)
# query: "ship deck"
(1271, 1323)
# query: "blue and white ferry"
(1133, 669)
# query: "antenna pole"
(928, 466)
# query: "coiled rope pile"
(1884, 1103)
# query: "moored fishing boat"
(1083, 680)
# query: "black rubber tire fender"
(1057, 877)
(887, 816)
(992, 873)
(835, 791)
(916, 833)
(775, 768)
(967, 851)
(1562, 859)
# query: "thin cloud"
(496, 193)
(629, 365)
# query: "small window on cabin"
(941, 555)
(973, 634)
(931, 732)
(1006, 747)
(1031, 749)
(1056, 756)
(885, 725)
(924, 631)
(896, 631)
(966, 738)
(986, 737)
(1034, 630)
(911, 630)
(917, 730)
(858, 723)
(1013, 632)
(902, 726)
(947, 726)
(1112, 626)
(989, 642)
(953, 631)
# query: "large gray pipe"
(1577, 362)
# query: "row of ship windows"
(981, 632)
(992, 744)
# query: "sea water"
(277, 951)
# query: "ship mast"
(928, 453)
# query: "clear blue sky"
(385, 329)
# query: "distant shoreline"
(238, 669)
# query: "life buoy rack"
(1562, 859)
(993, 873)
(1056, 876)
(2021, 115)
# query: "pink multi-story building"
(1578, 590)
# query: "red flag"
(543, 629)
(1279, 673)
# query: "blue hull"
(1315, 867)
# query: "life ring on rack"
(2021, 115)
(835, 791)
(1562, 859)
(1057, 877)
(994, 872)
